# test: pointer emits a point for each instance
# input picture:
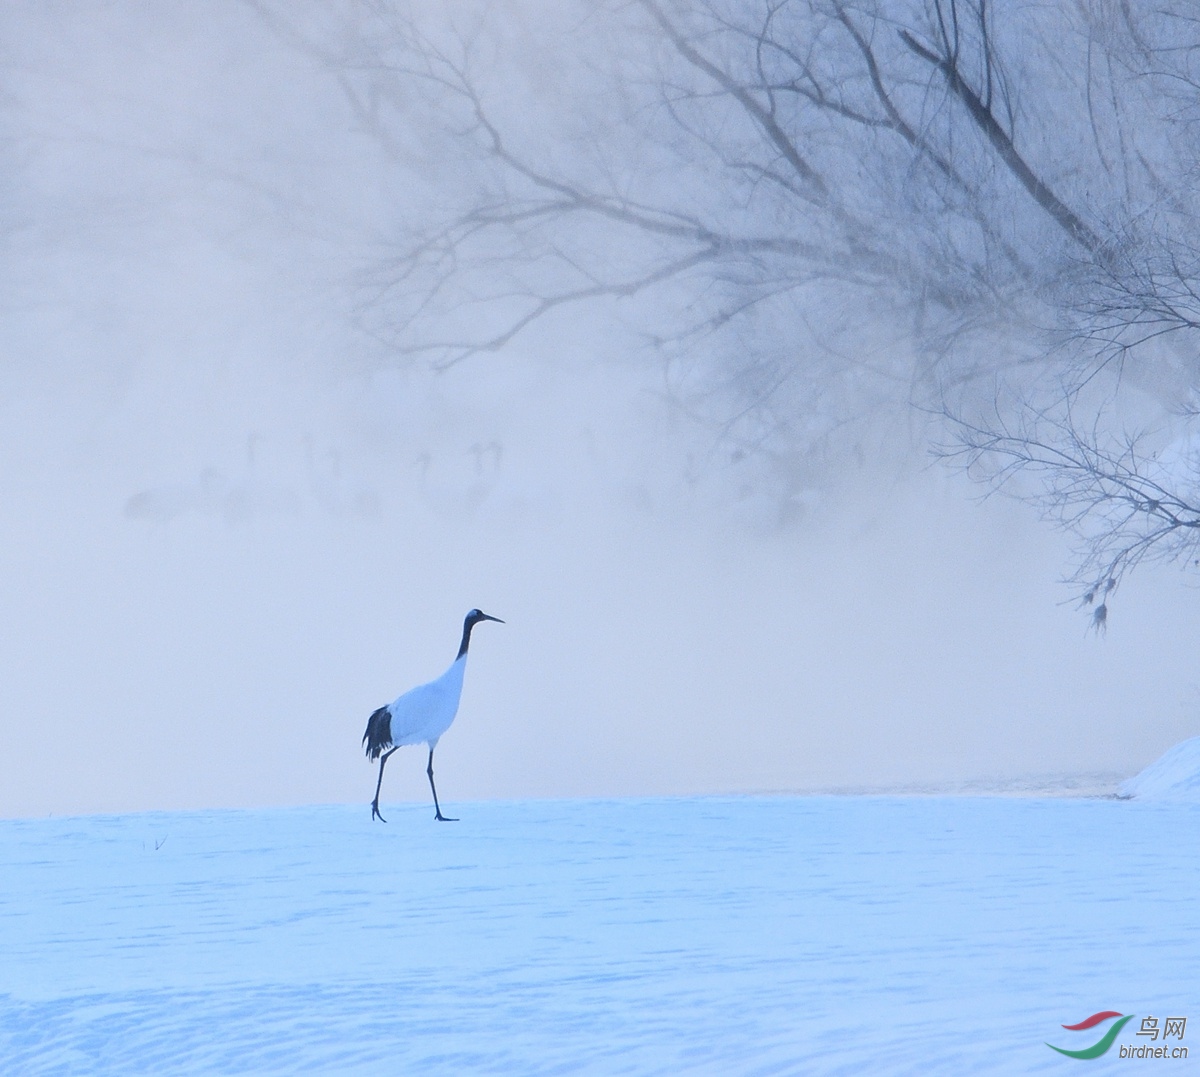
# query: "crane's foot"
(444, 818)
(375, 812)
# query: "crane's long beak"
(489, 617)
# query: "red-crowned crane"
(421, 715)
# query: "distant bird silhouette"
(422, 714)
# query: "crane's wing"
(379, 733)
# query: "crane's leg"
(375, 803)
(429, 770)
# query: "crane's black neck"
(468, 624)
(473, 618)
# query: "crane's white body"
(424, 713)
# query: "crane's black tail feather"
(378, 736)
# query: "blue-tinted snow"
(1174, 776)
(727, 936)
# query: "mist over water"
(231, 528)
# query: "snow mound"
(1176, 776)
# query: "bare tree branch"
(982, 115)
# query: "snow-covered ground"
(747, 935)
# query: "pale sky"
(229, 532)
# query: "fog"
(233, 525)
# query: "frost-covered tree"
(817, 209)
